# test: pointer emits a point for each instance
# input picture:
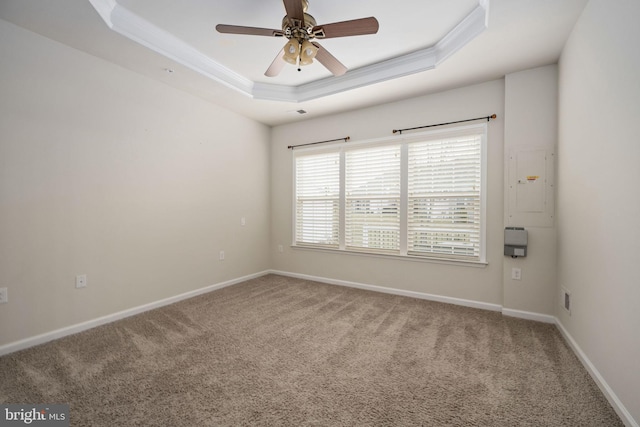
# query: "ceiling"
(422, 46)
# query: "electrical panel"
(531, 187)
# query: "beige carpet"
(282, 351)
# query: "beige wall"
(107, 173)
(471, 283)
(139, 186)
(531, 117)
(598, 196)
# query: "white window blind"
(444, 197)
(416, 196)
(317, 199)
(372, 205)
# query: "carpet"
(288, 352)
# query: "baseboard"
(74, 329)
(544, 318)
(608, 392)
(393, 291)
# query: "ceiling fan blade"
(252, 31)
(355, 27)
(276, 66)
(329, 61)
(294, 10)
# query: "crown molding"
(136, 28)
(468, 29)
(132, 26)
(414, 62)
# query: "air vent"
(566, 300)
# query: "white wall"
(598, 196)
(108, 173)
(478, 284)
(531, 117)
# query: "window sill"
(412, 258)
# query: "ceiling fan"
(301, 29)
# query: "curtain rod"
(493, 116)
(345, 139)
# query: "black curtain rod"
(493, 116)
(345, 139)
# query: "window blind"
(372, 199)
(317, 199)
(444, 197)
(417, 196)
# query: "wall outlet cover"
(81, 281)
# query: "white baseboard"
(74, 329)
(544, 318)
(394, 291)
(608, 392)
(613, 399)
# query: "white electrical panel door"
(530, 176)
(531, 187)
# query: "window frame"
(403, 141)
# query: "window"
(420, 196)
(372, 208)
(317, 199)
(444, 201)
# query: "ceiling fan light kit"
(307, 52)
(291, 52)
(300, 29)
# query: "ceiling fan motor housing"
(294, 29)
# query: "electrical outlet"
(81, 281)
(221, 255)
(516, 273)
(4, 295)
(243, 221)
(280, 248)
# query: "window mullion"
(342, 203)
(404, 197)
